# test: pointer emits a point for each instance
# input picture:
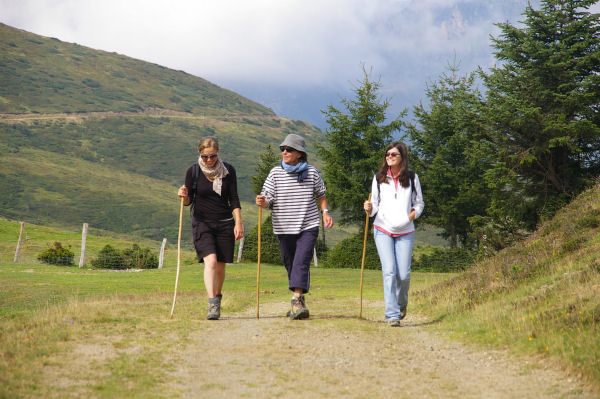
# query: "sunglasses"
(392, 154)
(288, 149)
(207, 157)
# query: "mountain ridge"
(69, 113)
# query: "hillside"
(539, 297)
(87, 135)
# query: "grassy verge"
(540, 297)
(120, 319)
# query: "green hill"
(98, 137)
(539, 297)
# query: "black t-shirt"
(208, 204)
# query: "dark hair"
(403, 178)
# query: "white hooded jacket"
(392, 206)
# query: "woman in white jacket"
(397, 200)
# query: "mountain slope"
(46, 75)
(69, 114)
(539, 297)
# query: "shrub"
(130, 258)
(269, 244)
(139, 258)
(109, 258)
(57, 255)
(348, 253)
(90, 83)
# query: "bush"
(109, 258)
(130, 258)
(348, 253)
(269, 244)
(57, 255)
(139, 258)
(444, 260)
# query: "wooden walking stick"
(178, 257)
(362, 263)
(258, 265)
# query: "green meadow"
(537, 299)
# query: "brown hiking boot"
(298, 310)
(214, 308)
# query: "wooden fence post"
(240, 249)
(161, 259)
(19, 242)
(315, 260)
(83, 239)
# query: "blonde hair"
(206, 142)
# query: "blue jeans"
(395, 254)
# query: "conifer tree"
(543, 108)
(354, 147)
(448, 155)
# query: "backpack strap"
(192, 192)
(411, 176)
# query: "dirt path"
(326, 356)
(94, 115)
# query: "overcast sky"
(295, 56)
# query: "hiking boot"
(214, 308)
(402, 313)
(394, 322)
(298, 310)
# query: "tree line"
(493, 162)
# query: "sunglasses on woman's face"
(392, 154)
(288, 149)
(207, 157)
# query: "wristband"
(325, 210)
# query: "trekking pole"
(258, 265)
(178, 257)
(362, 263)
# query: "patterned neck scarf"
(216, 173)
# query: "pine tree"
(266, 162)
(543, 108)
(353, 150)
(447, 154)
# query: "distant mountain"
(98, 137)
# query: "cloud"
(289, 42)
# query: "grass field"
(539, 298)
(47, 311)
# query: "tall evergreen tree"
(353, 150)
(266, 162)
(448, 155)
(544, 108)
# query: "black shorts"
(214, 237)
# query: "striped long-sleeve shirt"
(294, 206)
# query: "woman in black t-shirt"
(216, 219)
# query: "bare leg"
(214, 275)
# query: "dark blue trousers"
(296, 254)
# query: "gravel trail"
(343, 357)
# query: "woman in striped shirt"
(292, 188)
